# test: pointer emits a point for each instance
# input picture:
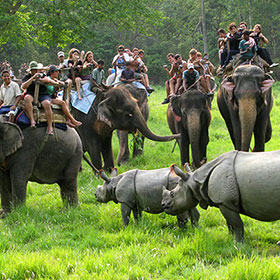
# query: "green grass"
(42, 240)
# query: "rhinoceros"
(236, 183)
(141, 190)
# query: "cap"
(190, 66)
(53, 68)
(60, 53)
(40, 66)
(33, 65)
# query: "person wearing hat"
(190, 78)
(28, 84)
(55, 83)
(64, 73)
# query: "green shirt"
(98, 76)
(244, 47)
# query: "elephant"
(138, 140)
(33, 155)
(189, 114)
(236, 182)
(114, 109)
(141, 190)
(245, 101)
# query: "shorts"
(42, 98)
(137, 76)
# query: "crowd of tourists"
(196, 72)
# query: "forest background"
(38, 29)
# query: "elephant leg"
(68, 191)
(184, 147)
(223, 107)
(107, 153)
(233, 221)
(204, 140)
(260, 131)
(123, 155)
(138, 147)
(125, 214)
(194, 213)
(6, 193)
(268, 131)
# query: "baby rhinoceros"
(235, 182)
(141, 190)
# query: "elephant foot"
(123, 161)
(3, 214)
(137, 153)
(203, 161)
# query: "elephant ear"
(176, 107)
(126, 190)
(11, 139)
(265, 86)
(228, 85)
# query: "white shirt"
(9, 94)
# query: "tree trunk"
(204, 32)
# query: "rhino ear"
(114, 172)
(11, 139)
(174, 169)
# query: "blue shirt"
(244, 47)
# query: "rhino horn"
(103, 176)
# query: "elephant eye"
(172, 194)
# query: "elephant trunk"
(193, 120)
(143, 128)
(247, 116)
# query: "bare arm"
(26, 84)
(17, 102)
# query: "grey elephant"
(189, 114)
(31, 155)
(235, 182)
(138, 139)
(115, 109)
(141, 190)
(245, 101)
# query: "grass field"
(42, 240)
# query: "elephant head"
(10, 139)
(119, 110)
(191, 109)
(246, 91)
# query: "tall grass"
(43, 240)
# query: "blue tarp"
(83, 105)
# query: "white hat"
(190, 66)
(60, 53)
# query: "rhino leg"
(125, 214)
(194, 216)
(234, 222)
(183, 218)
(137, 214)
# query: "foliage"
(37, 29)
(45, 241)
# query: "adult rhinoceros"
(236, 183)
